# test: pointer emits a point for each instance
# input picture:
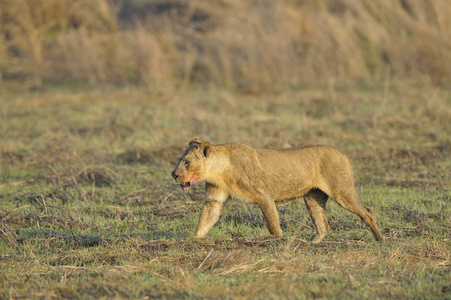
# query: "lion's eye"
(187, 164)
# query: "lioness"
(269, 178)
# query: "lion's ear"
(194, 142)
(205, 147)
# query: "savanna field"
(99, 99)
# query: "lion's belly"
(288, 194)
(289, 185)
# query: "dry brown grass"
(251, 46)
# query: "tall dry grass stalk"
(85, 56)
(247, 45)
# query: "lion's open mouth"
(185, 185)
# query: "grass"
(88, 208)
(234, 44)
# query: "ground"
(88, 208)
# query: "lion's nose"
(174, 175)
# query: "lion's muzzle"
(184, 185)
(174, 175)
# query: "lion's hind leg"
(350, 200)
(316, 204)
(271, 215)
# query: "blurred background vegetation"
(249, 46)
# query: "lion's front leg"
(215, 199)
(209, 217)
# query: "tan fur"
(269, 178)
